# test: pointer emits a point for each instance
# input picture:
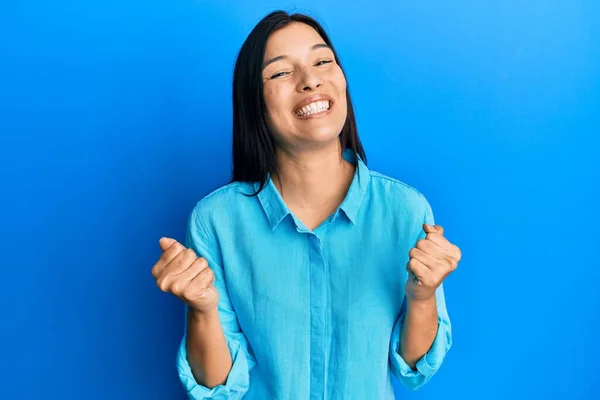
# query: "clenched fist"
(431, 261)
(180, 272)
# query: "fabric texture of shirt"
(313, 314)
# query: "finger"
(198, 289)
(197, 266)
(199, 283)
(428, 260)
(204, 279)
(431, 248)
(171, 251)
(419, 270)
(449, 256)
(176, 283)
(183, 279)
(433, 228)
(177, 266)
(180, 259)
(165, 243)
(440, 240)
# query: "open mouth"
(315, 108)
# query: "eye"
(323, 62)
(277, 75)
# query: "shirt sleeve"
(238, 379)
(431, 361)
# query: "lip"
(311, 99)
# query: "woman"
(308, 276)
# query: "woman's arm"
(207, 350)
(214, 358)
(422, 334)
(419, 330)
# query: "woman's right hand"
(180, 272)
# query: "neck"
(314, 179)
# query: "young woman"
(308, 276)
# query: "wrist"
(421, 303)
(203, 316)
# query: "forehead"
(295, 38)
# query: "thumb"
(433, 228)
(165, 243)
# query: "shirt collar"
(358, 187)
(272, 203)
(276, 209)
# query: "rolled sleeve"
(431, 361)
(235, 386)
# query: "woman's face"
(304, 88)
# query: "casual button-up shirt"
(313, 314)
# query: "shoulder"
(223, 199)
(219, 210)
(398, 193)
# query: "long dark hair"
(253, 144)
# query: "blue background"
(115, 118)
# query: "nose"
(309, 81)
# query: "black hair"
(253, 145)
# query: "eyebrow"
(314, 47)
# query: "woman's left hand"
(431, 261)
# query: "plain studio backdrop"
(115, 119)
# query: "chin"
(324, 132)
(323, 137)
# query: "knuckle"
(206, 277)
(187, 293)
(445, 265)
(193, 291)
(162, 284)
(211, 274)
(201, 262)
(190, 253)
(457, 253)
(413, 262)
(178, 287)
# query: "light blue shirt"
(313, 314)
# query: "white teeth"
(313, 108)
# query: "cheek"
(269, 101)
(274, 103)
(342, 101)
(340, 84)
(276, 111)
(340, 80)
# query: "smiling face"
(304, 88)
